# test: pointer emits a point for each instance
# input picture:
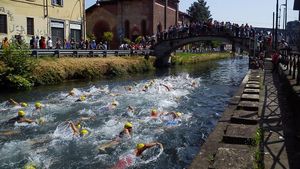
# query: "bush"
(18, 66)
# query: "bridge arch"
(164, 48)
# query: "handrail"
(77, 53)
(292, 63)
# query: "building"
(63, 19)
(130, 18)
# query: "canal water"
(199, 92)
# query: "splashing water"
(200, 98)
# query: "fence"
(290, 61)
(90, 53)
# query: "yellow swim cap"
(38, 105)
(82, 98)
(153, 111)
(21, 113)
(84, 132)
(128, 125)
(29, 166)
(140, 146)
(23, 104)
(178, 114)
(78, 126)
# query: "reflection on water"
(200, 92)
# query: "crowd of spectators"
(206, 27)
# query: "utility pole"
(276, 26)
(165, 17)
(273, 29)
(285, 24)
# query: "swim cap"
(29, 166)
(21, 113)
(82, 98)
(178, 114)
(38, 105)
(23, 104)
(114, 103)
(84, 132)
(140, 146)
(78, 126)
(128, 125)
(153, 111)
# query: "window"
(58, 2)
(30, 26)
(3, 23)
(144, 27)
(127, 27)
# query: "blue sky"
(258, 13)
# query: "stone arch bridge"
(163, 49)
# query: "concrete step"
(253, 82)
(245, 117)
(235, 100)
(248, 105)
(251, 91)
(252, 86)
(250, 97)
(233, 158)
(240, 134)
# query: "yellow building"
(63, 19)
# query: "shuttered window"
(3, 23)
(30, 26)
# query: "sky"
(258, 13)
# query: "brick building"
(130, 18)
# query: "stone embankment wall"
(234, 143)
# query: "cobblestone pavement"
(280, 123)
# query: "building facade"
(130, 18)
(59, 19)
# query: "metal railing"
(89, 53)
(290, 61)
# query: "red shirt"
(275, 57)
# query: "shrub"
(18, 66)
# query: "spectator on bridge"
(275, 61)
(49, 43)
(283, 44)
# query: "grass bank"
(57, 70)
(190, 58)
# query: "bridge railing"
(290, 62)
(78, 53)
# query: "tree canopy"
(199, 11)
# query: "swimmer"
(113, 104)
(77, 129)
(141, 147)
(81, 98)
(145, 88)
(128, 88)
(166, 86)
(154, 114)
(125, 133)
(175, 115)
(38, 105)
(20, 118)
(14, 103)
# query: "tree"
(199, 11)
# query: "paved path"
(280, 124)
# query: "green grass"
(191, 58)
(258, 155)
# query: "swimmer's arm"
(12, 101)
(73, 127)
(27, 121)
